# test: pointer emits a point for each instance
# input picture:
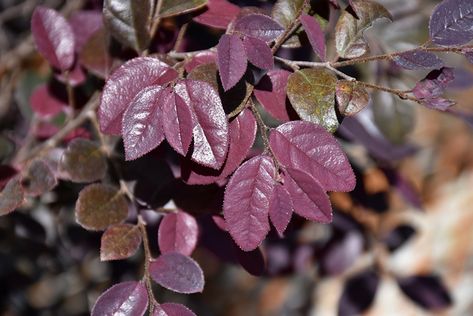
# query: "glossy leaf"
(451, 23)
(127, 298)
(417, 59)
(142, 128)
(315, 34)
(349, 39)
(83, 161)
(177, 273)
(177, 7)
(44, 103)
(219, 14)
(124, 84)
(84, 24)
(100, 206)
(210, 123)
(178, 232)
(94, 55)
(271, 93)
(353, 300)
(286, 11)
(351, 98)
(12, 196)
(231, 60)
(174, 309)
(206, 57)
(258, 26)
(120, 242)
(246, 202)
(128, 21)
(308, 197)
(312, 94)
(53, 37)
(38, 178)
(428, 291)
(308, 147)
(258, 53)
(280, 208)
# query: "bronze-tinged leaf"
(178, 7)
(286, 11)
(119, 242)
(94, 55)
(100, 206)
(312, 95)
(351, 97)
(12, 196)
(83, 161)
(38, 178)
(349, 39)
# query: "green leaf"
(100, 206)
(312, 95)
(286, 11)
(349, 30)
(12, 196)
(178, 7)
(351, 97)
(119, 242)
(128, 21)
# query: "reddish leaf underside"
(271, 93)
(280, 208)
(126, 298)
(231, 60)
(178, 232)
(119, 242)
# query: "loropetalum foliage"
(207, 105)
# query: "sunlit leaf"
(178, 232)
(12, 196)
(451, 23)
(219, 14)
(177, 7)
(127, 299)
(351, 97)
(38, 178)
(231, 60)
(120, 242)
(280, 208)
(174, 309)
(258, 26)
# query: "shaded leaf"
(100, 206)
(74, 76)
(84, 24)
(177, 273)
(231, 60)
(177, 7)
(246, 202)
(53, 37)
(434, 84)
(206, 57)
(280, 208)
(174, 309)
(308, 147)
(258, 26)
(119, 242)
(44, 103)
(351, 98)
(286, 11)
(126, 298)
(178, 232)
(341, 253)
(427, 291)
(124, 84)
(142, 128)
(12, 196)
(312, 94)
(271, 93)
(315, 34)
(258, 53)
(417, 59)
(451, 23)
(94, 55)
(83, 161)
(38, 178)
(219, 14)
(399, 236)
(358, 294)
(468, 53)
(128, 21)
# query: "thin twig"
(402, 94)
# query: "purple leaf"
(178, 232)
(53, 37)
(141, 128)
(75, 76)
(341, 252)
(439, 104)
(12, 196)
(206, 57)
(280, 209)
(451, 23)
(231, 60)
(258, 53)
(309, 147)
(177, 273)
(210, 122)
(84, 24)
(427, 291)
(126, 298)
(429, 89)
(177, 122)
(417, 59)
(120, 242)
(44, 103)
(315, 34)
(258, 26)
(219, 14)
(271, 93)
(124, 84)
(38, 178)
(246, 202)
(174, 309)
(353, 300)
(308, 197)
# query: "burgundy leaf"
(124, 84)
(75, 76)
(434, 84)
(206, 57)
(309, 147)
(84, 24)
(120, 242)
(417, 59)
(315, 34)
(271, 93)
(44, 103)
(451, 23)
(178, 232)
(258, 53)
(174, 309)
(210, 122)
(53, 37)
(126, 298)
(38, 178)
(231, 60)
(246, 202)
(141, 128)
(219, 14)
(280, 209)
(259, 26)
(308, 197)
(12, 196)
(177, 122)
(177, 273)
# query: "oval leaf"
(219, 14)
(231, 60)
(258, 53)
(84, 24)
(120, 242)
(280, 209)
(286, 11)
(315, 34)
(451, 23)
(351, 98)
(312, 95)
(427, 291)
(126, 298)
(352, 300)
(308, 147)
(246, 202)
(174, 309)
(417, 59)
(44, 103)
(177, 7)
(100, 206)
(177, 273)
(95, 57)
(258, 26)
(53, 37)
(124, 84)
(178, 232)
(271, 93)
(38, 178)
(206, 57)
(12, 196)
